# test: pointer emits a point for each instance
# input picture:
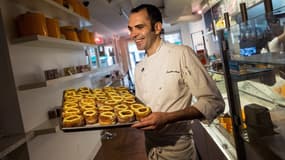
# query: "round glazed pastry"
(128, 96)
(77, 97)
(111, 103)
(112, 94)
(142, 112)
(71, 111)
(90, 96)
(120, 107)
(68, 105)
(71, 100)
(107, 118)
(101, 100)
(122, 92)
(83, 93)
(86, 101)
(105, 108)
(87, 107)
(129, 101)
(97, 90)
(69, 93)
(135, 106)
(119, 99)
(73, 121)
(97, 94)
(125, 116)
(90, 116)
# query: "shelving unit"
(50, 42)
(54, 81)
(251, 74)
(95, 72)
(53, 9)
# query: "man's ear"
(158, 27)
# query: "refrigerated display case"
(254, 65)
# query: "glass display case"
(254, 67)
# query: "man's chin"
(140, 47)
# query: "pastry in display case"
(100, 108)
(254, 60)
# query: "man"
(166, 79)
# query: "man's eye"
(140, 26)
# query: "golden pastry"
(107, 118)
(90, 116)
(73, 121)
(125, 116)
(142, 112)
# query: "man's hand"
(155, 120)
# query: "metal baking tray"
(96, 126)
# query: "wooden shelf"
(44, 41)
(55, 10)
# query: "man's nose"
(133, 34)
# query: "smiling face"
(141, 31)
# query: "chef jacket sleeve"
(209, 100)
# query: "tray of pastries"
(100, 108)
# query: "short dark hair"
(152, 11)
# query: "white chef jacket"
(167, 80)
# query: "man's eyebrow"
(136, 26)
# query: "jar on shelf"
(32, 24)
(91, 38)
(69, 33)
(53, 27)
(84, 36)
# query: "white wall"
(76, 146)
(28, 63)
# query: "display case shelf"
(253, 73)
(55, 10)
(43, 41)
(266, 58)
(253, 86)
(216, 72)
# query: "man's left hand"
(155, 120)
